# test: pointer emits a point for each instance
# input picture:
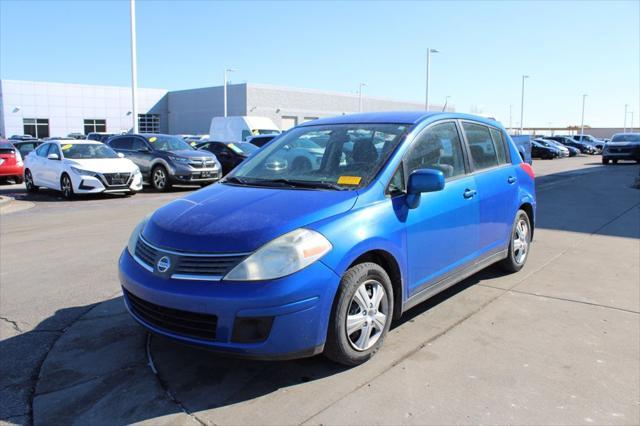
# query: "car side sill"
(452, 279)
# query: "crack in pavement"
(15, 325)
(163, 384)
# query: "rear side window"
(500, 145)
(137, 144)
(42, 150)
(439, 147)
(121, 143)
(483, 152)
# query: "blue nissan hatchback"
(318, 241)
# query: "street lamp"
(522, 105)
(429, 52)
(584, 97)
(224, 96)
(631, 112)
(446, 101)
(134, 67)
(360, 96)
(625, 118)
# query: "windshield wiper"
(234, 179)
(308, 184)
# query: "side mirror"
(145, 149)
(423, 180)
(120, 155)
(53, 157)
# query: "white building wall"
(68, 105)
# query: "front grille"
(188, 265)
(116, 179)
(202, 163)
(184, 323)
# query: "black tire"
(511, 263)
(605, 160)
(339, 347)
(66, 187)
(158, 183)
(28, 181)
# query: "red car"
(11, 165)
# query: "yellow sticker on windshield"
(153, 139)
(234, 148)
(66, 147)
(349, 180)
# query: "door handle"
(511, 179)
(469, 193)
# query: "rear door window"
(500, 145)
(121, 143)
(481, 148)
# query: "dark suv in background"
(165, 160)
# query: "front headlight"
(82, 172)
(180, 160)
(133, 239)
(283, 256)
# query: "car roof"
(74, 141)
(625, 133)
(395, 117)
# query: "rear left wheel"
(361, 315)
(519, 244)
(28, 181)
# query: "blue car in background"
(287, 262)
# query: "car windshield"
(242, 148)
(87, 151)
(626, 138)
(344, 156)
(169, 143)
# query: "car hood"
(104, 165)
(187, 153)
(240, 219)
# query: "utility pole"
(360, 96)
(584, 97)
(134, 68)
(426, 100)
(522, 105)
(224, 95)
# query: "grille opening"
(184, 323)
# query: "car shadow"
(45, 195)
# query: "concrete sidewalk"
(557, 343)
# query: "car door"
(142, 154)
(37, 164)
(53, 169)
(496, 180)
(442, 232)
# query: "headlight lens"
(180, 160)
(82, 172)
(133, 239)
(283, 256)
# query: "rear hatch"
(8, 156)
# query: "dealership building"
(45, 109)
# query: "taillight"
(528, 169)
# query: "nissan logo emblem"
(163, 265)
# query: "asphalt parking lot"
(557, 343)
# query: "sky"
(568, 48)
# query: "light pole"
(631, 112)
(426, 100)
(360, 96)
(446, 102)
(134, 68)
(584, 97)
(625, 118)
(522, 105)
(224, 95)
(510, 118)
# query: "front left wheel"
(66, 187)
(361, 315)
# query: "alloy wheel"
(66, 187)
(159, 178)
(367, 315)
(28, 180)
(521, 241)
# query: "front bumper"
(94, 184)
(297, 308)
(191, 175)
(622, 153)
